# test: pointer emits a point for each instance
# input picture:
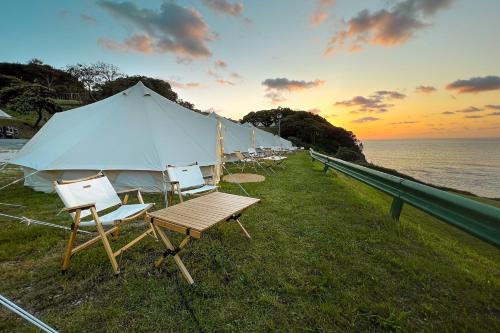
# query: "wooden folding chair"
(188, 181)
(88, 196)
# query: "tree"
(94, 76)
(30, 97)
(310, 130)
(35, 61)
(107, 72)
(35, 71)
(266, 118)
(86, 75)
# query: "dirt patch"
(239, 178)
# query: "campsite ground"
(324, 256)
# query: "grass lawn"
(324, 256)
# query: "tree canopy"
(310, 130)
(36, 71)
(30, 98)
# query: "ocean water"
(9, 147)
(467, 164)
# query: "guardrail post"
(325, 169)
(396, 208)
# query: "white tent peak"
(4, 115)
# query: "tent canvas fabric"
(4, 115)
(236, 136)
(265, 139)
(131, 136)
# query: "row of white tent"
(132, 137)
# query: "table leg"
(177, 259)
(243, 229)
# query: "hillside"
(324, 257)
(309, 130)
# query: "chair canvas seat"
(119, 214)
(188, 180)
(202, 189)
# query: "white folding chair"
(253, 152)
(88, 196)
(188, 181)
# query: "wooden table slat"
(203, 212)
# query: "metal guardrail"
(475, 218)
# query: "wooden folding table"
(193, 218)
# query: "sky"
(384, 69)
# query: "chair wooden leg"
(90, 242)
(243, 229)
(180, 195)
(147, 220)
(105, 241)
(176, 257)
(116, 234)
(71, 241)
(131, 243)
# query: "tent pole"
(165, 192)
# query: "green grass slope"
(324, 257)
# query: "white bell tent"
(4, 115)
(131, 136)
(264, 139)
(283, 143)
(236, 136)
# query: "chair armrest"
(128, 191)
(80, 207)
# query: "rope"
(29, 221)
(18, 180)
(26, 315)
(229, 173)
(12, 205)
